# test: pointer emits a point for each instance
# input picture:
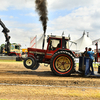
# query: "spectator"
(91, 54)
(85, 52)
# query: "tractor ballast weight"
(58, 55)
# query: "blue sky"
(70, 16)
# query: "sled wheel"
(29, 62)
(62, 63)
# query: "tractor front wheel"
(62, 63)
(29, 62)
(36, 66)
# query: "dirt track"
(15, 73)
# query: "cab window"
(54, 44)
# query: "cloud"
(22, 35)
(85, 17)
(18, 4)
(11, 17)
(4, 4)
(32, 14)
(52, 4)
(68, 4)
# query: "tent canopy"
(82, 42)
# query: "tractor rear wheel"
(62, 63)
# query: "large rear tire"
(62, 63)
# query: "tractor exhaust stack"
(41, 8)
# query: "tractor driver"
(54, 45)
(59, 45)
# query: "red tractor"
(60, 58)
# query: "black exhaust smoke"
(41, 8)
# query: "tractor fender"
(32, 57)
(66, 51)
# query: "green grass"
(6, 99)
(9, 60)
(3, 99)
(95, 65)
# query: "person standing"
(91, 54)
(85, 53)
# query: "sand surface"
(17, 82)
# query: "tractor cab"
(55, 42)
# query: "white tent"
(83, 42)
(93, 47)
